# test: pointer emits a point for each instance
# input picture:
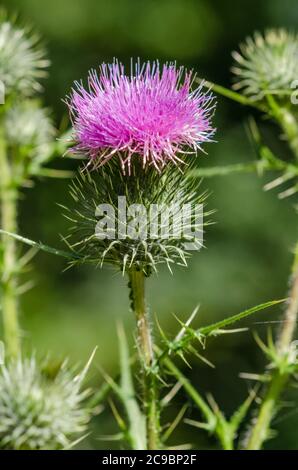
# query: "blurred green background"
(247, 256)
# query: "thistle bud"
(22, 60)
(267, 64)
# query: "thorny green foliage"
(266, 77)
(266, 74)
(214, 421)
(145, 186)
(38, 411)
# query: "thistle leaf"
(209, 172)
(41, 246)
(208, 330)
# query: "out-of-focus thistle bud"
(22, 60)
(135, 221)
(38, 412)
(267, 64)
(30, 137)
(30, 134)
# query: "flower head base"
(150, 114)
(266, 64)
(37, 412)
(148, 231)
(22, 61)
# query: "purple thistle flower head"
(151, 114)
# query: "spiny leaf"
(111, 437)
(239, 415)
(53, 173)
(186, 324)
(81, 377)
(170, 395)
(192, 392)
(99, 396)
(198, 424)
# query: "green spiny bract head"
(37, 412)
(267, 64)
(161, 235)
(30, 135)
(22, 60)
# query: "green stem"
(261, 427)
(230, 94)
(226, 170)
(8, 278)
(260, 430)
(219, 427)
(147, 359)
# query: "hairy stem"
(146, 356)
(260, 430)
(8, 279)
(290, 319)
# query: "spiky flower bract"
(266, 64)
(38, 412)
(151, 113)
(145, 187)
(22, 60)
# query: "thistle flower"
(37, 412)
(151, 114)
(266, 64)
(161, 236)
(22, 60)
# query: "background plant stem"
(261, 427)
(290, 319)
(146, 356)
(287, 122)
(8, 279)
